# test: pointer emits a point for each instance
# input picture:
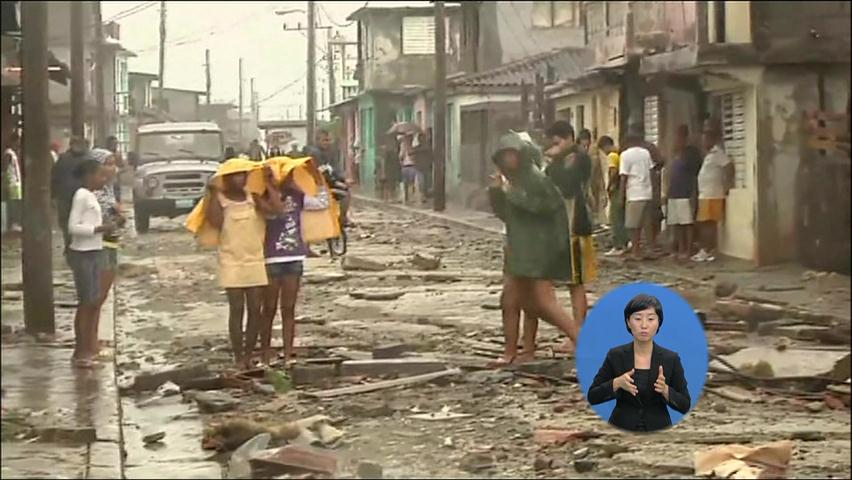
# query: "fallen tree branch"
(383, 385)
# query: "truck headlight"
(152, 183)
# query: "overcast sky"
(231, 30)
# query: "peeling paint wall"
(787, 92)
(384, 65)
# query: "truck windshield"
(179, 146)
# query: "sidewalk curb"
(448, 220)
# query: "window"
(418, 35)
(732, 117)
(652, 119)
(555, 14)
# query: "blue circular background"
(681, 333)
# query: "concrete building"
(180, 104)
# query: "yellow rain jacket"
(316, 226)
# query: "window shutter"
(418, 35)
(733, 133)
(652, 119)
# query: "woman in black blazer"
(641, 376)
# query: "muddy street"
(473, 423)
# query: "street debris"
(737, 461)
(238, 465)
(795, 362)
(377, 296)
(382, 385)
(557, 437)
(425, 261)
(584, 466)
(369, 470)
(395, 350)
(151, 381)
(293, 458)
(152, 435)
(168, 389)
(444, 414)
(391, 366)
(725, 289)
(215, 401)
(308, 374)
(357, 264)
(735, 394)
(71, 435)
(280, 381)
(476, 462)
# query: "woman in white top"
(86, 229)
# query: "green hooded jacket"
(533, 211)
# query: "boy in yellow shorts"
(715, 180)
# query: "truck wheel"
(141, 220)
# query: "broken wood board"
(383, 385)
(793, 362)
(391, 366)
(735, 394)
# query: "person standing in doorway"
(715, 180)
(616, 197)
(635, 173)
(681, 192)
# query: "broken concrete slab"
(394, 350)
(794, 362)
(215, 402)
(490, 376)
(750, 311)
(152, 435)
(357, 264)
(546, 368)
(294, 459)
(424, 261)
(376, 296)
(476, 462)
(324, 278)
(151, 381)
(312, 374)
(72, 435)
(369, 470)
(390, 366)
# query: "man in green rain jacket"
(538, 248)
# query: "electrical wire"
(131, 11)
(333, 22)
(286, 86)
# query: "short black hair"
(86, 168)
(605, 141)
(585, 134)
(643, 302)
(561, 129)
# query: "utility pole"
(78, 87)
(525, 105)
(207, 72)
(37, 244)
(241, 101)
(312, 79)
(162, 55)
(439, 145)
(539, 102)
(253, 100)
(332, 83)
(103, 120)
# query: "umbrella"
(404, 128)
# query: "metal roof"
(409, 7)
(178, 127)
(562, 64)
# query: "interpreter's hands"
(625, 382)
(660, 385)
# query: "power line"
(333, 22)
(131, 11)
(286, 86)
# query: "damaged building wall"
(386, 67)
(787, 93)
(791, 32)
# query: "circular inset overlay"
(606, 347)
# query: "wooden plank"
(383, 385)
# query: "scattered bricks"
(395, 350)
(834, 402)
(426, 262)
(312, 374)
(369, 470)
(294, 459)
(150, 381)
(391, 366)
(546, 368)
(73, 435)
(356, 264)
(545, 436)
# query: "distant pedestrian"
(409, 168)
(616, 197)
(86, 229)
(570, 170)
(112, 215)
(238, 216)
(12, 181)
(423, 160)
(230, 152)
(64, 181)
(635, 172)
(681, 192)
(256, 151)
(392, 170)
(715, 180)
(114, 147)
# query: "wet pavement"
(170, 312)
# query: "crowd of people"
(547, 202)
(404, 164)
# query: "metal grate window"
(652, 119)
(734, 133)
(418, 36)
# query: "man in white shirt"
(715, 180)
(635, 173)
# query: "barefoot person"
(537, 250)
(111, 211)
(85, 250)
(235, 211)
(681, 192)
(285, 253)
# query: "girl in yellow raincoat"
(231, 217)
